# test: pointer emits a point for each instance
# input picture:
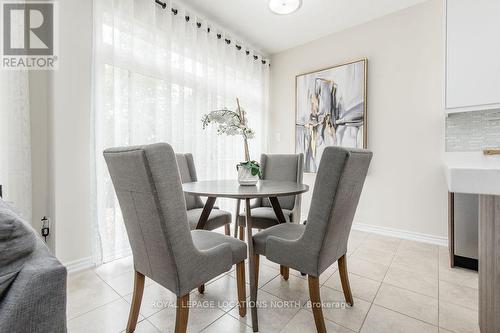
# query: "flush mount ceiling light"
(284, 7)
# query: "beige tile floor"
(398, 286)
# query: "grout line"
(329, 277)
(371, 304)
(310, 313)
(288, 322)
(123, 297)
(406, 315)
(387, 283)
(302, 306)
(228, 314)
(408, 290)
(205, 327)
(97, 307)
(240, 319)
(413, 291)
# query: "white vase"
(245, 177)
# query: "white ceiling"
(270, 33)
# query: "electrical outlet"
(45, 230)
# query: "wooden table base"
(277, 209)
(213, 189)
(205, 213)
(251, 267)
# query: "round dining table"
(213, 189)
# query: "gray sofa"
(32, 280)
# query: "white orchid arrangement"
(229, 123)
(233, 123)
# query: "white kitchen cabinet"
(472, 55)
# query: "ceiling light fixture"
(284, 7)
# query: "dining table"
(213, 189)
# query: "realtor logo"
(29, 35)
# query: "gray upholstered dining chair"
(313, 247)
(149, 190)
(194, 205)
(278, 167)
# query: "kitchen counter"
(472, 172)
(480, 174)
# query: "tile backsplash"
(473, 131)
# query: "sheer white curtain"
(155, 75)
(15, 140)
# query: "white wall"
(60, 102)
(71, 103)
(405, 188)
(40, 126)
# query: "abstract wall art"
(330, 110)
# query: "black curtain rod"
(219, 36)
(161, 3)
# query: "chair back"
(148, 185)
(188, 174)
(336, 194)
(283, 167)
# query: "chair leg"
(285, 272)
(201, 289)
(136, 301)
(242, 233)
(344, 279)
(227, 230)
(242, 292)
(256, 268)
(316, 304)
(182, 314)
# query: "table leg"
(206, 212)
(284, 271)
(238, 203)
(251, 268)
(277, 209)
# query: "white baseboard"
(84, 263)
(410, 235)
(78, 265)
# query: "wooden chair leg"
(136, 302)
(242, 233)
(201, 289)
(227, 230)
(182, 314)
(344, 279)
(285, 272)
(256, 268)
(316, 304)
(242, 292)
